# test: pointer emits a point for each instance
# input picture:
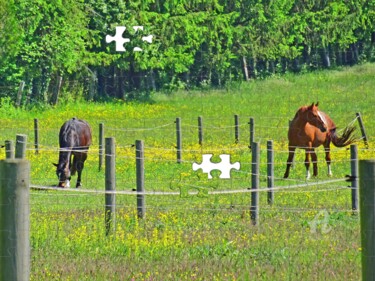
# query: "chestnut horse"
(311, 128)
(74, 139)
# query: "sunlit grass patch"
(195, 232)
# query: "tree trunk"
(325, 58)
(306, 55)
(253, 67)
(245, 70)
(121, 83)
(271, 66)
(296, 65)
(354, 53)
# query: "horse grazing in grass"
(311, 128)
(75, 140)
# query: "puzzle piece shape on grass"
(224, 166)
(120, 41)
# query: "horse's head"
(315, 118)
(63, 174)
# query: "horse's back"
(75, 133)
(328, 121)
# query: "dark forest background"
(196, 43)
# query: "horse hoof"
(78, 185)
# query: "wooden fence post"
(270, 171)
(110, 185)
(254, 209)
(14, 219)
(141, 201)
(363, 131)
(179, 139)
(19, 93)
(200, 130)
(21, 141)
(367, 216)
(252, 132)
(36, 135)
(236, 128)
(101, 145)
(9, 149)
(354, 175)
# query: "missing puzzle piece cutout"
(120, 41)
(224, 166)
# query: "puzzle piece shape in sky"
(224, 166)
(120, 41)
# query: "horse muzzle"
(64, 184)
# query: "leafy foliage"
(196, 43)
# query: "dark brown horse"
(74, 139)
(311, 128)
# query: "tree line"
(196, 43)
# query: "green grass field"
(309, 233)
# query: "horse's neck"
(298, 120)
(64, 157)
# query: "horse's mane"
(69, 132)
(301, 109)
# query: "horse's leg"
(307, 162)
(67, 181)
(73, 168)
(289, 162)
(80, 164)
(314, 160)
(328, 158)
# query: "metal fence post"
(354, 175)
(254, 209)
(252, 132)
(101, 145)
(141, 201)
(110, 185)
(236, 128)
(270, 171)
(363, 131)
(36, 135)
(179, 139)
(200, 130)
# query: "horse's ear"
(54, 164)
(311, 106)
(317, 103)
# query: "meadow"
(309, 233)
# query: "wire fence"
(179, 201)
(191, 150)
(184, 207)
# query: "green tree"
(54, 41)
(11, 36)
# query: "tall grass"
(307, 234)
